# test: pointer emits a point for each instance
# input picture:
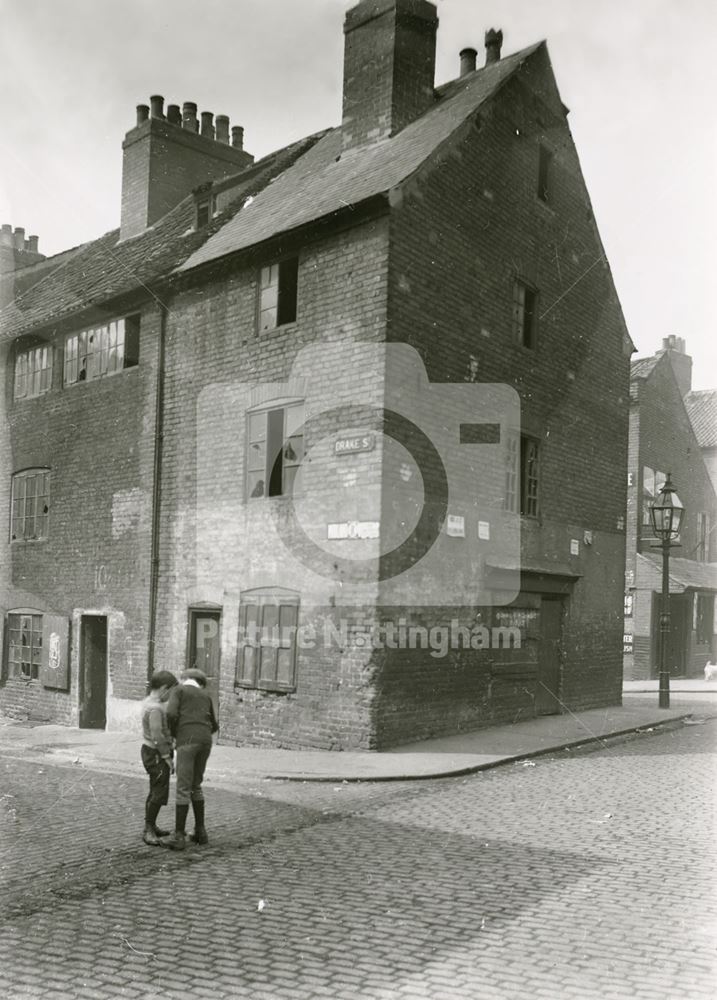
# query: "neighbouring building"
(665, 431)
(394, 344)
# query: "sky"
(638, 77)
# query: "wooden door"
(547, 693)
(204, 649)
(93, 672)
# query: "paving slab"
(439, 757)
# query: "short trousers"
(158, 771)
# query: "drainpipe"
(156, 491)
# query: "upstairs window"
(545, 164)
(278, 287)
(275, 448)
(525, 314)
(33, 372)
(30, 507)
(103, 350)
(521, 478)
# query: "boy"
(192, 722)
(156, 752)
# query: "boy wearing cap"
(192, 722)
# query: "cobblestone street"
(587, 875)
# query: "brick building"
(663, 439)
(251, 480)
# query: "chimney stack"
(19, 238)
(389, 68)
(468, 61)
(493, 43)
(681, 362)
(32, 244)
(166, 158)
(237, 137)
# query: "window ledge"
(284, 328)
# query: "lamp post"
(666, 512)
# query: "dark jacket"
(190, 714)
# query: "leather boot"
(200, 834)
(177, 841)
(150, 837)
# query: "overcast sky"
(639, 79)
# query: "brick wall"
(97, 440)
(462, 230)
(215, 544)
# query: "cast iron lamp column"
(666, 512)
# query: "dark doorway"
(93, 672)
(547, 694)
(204, 647)
(680, 626)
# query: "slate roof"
(105, 269)
(324, 180)
(642, 367)
(684, 573)
(702, 410)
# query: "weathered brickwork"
(96, 438)
(464, 229)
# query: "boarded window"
(266, 648)
(102, 350)
(275, 448)
(278, 288)
(30, 507)
(33, 372)
(525, 314)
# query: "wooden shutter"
(55, 660)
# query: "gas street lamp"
(666, 513)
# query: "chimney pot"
(237, 137)
(174, 115)
(32, 242)
(7, 234)
(207, 126)
(142, 113)
(19, 238)
(468, 61)
(222, 123)
(493, 43)
(157, 106)
(189, 116)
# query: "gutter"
(156, 489)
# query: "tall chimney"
(680, 361)
(468, 61)
(19, 238)
(189, 116)
(389, 67)
(142, 113)
(207, 124)
(493, 43)
(174, 115)
(237, 137)
(156, 106)
(32, 244)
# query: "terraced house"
(300, 419)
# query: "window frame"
(33, 372)
(522, 491)
(123, 331)
(525, 333)
(15, 667)
(23, 476)
(284, 302)
(249, 665)
(268, 439)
